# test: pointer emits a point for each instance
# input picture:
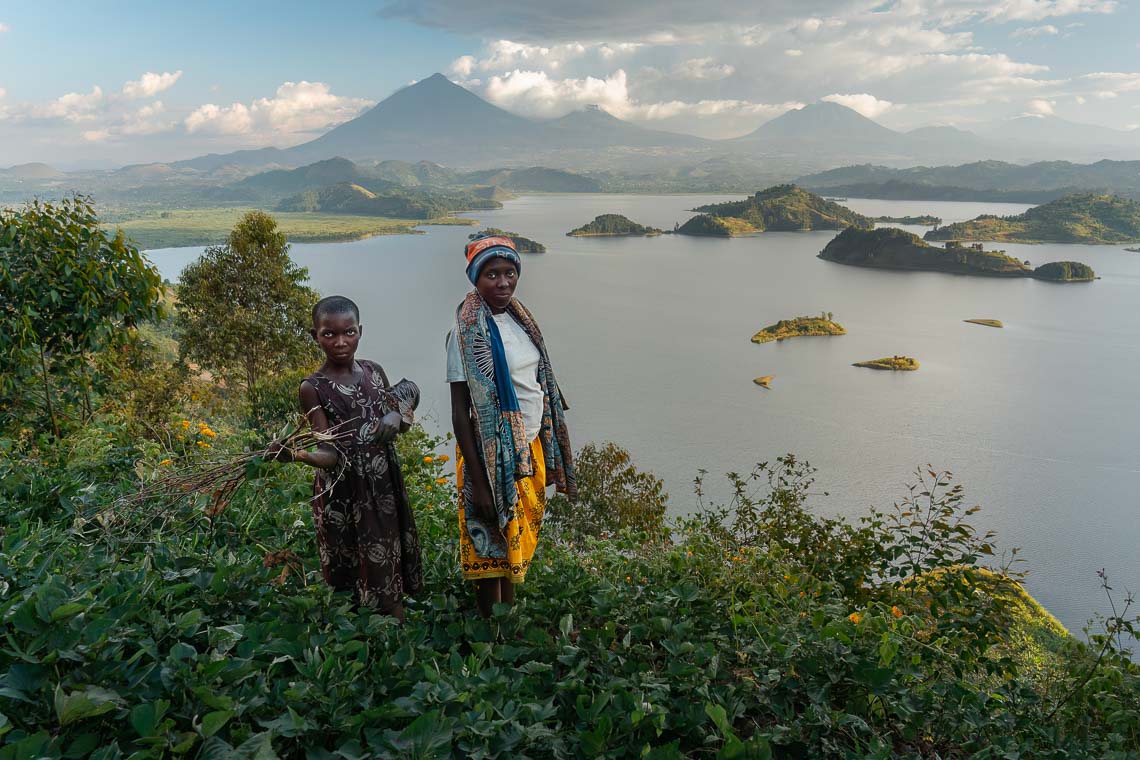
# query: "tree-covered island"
(923, 220)
(985, 322)
(891, 363)
(612, 225)
(800, 327)
(783, 208)
(890, 248)
(523, 244)
(1081, 218)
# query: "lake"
(650, 339)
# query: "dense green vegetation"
(197, 625)
(1072, 219)
(788, 208)
(925, 220)
(185, 227)
(1065, 271)
(523, 244)
(890, 248)
(799, 327)
(985, 322)
(892, 363)
(715, 226)
(612, 225)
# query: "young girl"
(507, 412)
(366, 535)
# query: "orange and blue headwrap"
(482, 250)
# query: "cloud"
(793, 52)
(73, 107)
(1029, 32)
(1040, 107)
(96, 135)
(864, 103)
(150, 84)
(703, 68)
(534, 93)
(1038, 10)
(148, 120)
(296, 108)
(4, 28)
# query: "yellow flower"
(427, 488)
(185, 424)
(165, 462)
(428, 460)
(787, 577)
(688, 554)
(209, 433)
(181, 437)
(202, 426)
(855, 618)
(896, 612)
(628, 578)
(441, 481)
(203, 444)
(442, 457)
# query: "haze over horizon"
(186, 81)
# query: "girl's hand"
(389, 427)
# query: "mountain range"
(435, 121)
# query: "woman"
(510, 431)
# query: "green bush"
(613, 495)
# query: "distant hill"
(413, 174)
(980, 180)
(349, 198)
(536, 179)
(821, 121)
(1084, 218)
(787, 208)
(612, 225)
(594, 127)
(890, 248)
(33, 171)
(328, 172)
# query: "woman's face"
(497, 282)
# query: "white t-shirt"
(522, 360)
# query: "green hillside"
(350, 198)
(612, 225)
(1084, 218)
(788, 208)
(715, 226)
(890, 248)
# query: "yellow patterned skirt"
(521, 532)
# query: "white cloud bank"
(864, 103)
(150, 84)
(296, 107)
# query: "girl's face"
(338, 335)
(496, 284)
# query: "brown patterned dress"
(366, 534)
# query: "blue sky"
(122, 82)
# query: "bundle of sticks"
(173, 500)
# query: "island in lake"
(764, 381)
(924, 220)
(892, 363)
(985, 322)
(522, 244)
(800, 327)
(1133, 250)
(612, 225)
(890, 248)
(783, 208)
(1082, 218)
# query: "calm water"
(650, 338)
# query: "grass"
(209, 226)
(986, 322)
(798, 328)
(895, 363)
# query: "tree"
(244, 307)
(67, 290)
(612, 494)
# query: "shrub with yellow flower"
(855, 618)
(428, 460)
(896, 612)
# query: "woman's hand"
(278, 452)
(389, 427)
(484, 502)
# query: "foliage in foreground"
(757, 630)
